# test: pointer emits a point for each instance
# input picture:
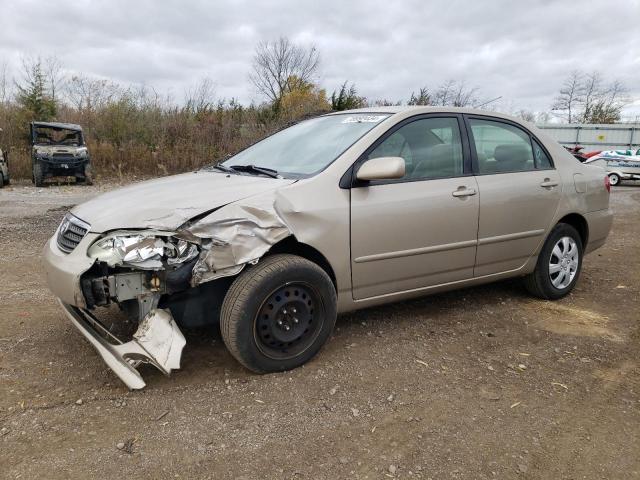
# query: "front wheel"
(558, 266)
(614, 179)
(87, 178)
(277, 315)
(38, 174)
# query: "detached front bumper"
(158, 342)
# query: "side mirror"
(383, 168)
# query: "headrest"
(511, 157)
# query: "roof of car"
(65, 126)
(425, 109)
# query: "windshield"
(57, 136)
(309, 146)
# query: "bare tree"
(280, 67)
(90, 94)
(526, 115)
(201, 97)
(55, 77)
(586, 98)
(605, 104)
(4, 89)
(455, 94)
(571, 96)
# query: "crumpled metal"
(235, 235)
(159, 335)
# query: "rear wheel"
(277, 315)
(1, 180)
(614, 179)
(559, 264)
(38, 174)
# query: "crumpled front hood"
(168, 202)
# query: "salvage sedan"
(336, 213)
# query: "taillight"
(607, 183)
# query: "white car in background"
(619, 164)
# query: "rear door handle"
(548, 183)
(464, 192)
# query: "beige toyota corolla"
(336, 213)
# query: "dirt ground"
(480, 383)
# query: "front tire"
(38, 174)
(558, 266)
(614, 179)
(87, 177)
(277, 315)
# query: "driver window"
(430, 147)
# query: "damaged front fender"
(236, 235)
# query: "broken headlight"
(145, 250)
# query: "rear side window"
(501, 147)
(541, 158)
(430, 147)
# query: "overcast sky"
(521, 50)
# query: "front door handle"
(464, 192)
(548, 183)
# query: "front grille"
(62, 154)
(71, 231)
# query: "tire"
(87, 178)
(2, 182)
(277, 315)
(549, 285)
(614, 179)
(38, 174)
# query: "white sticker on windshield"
(364, 119)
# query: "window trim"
(349, 179)
(532, 137)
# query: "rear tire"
(38, 174)
(614, 179)
(558, 266)
(2, 182)
(277, 315)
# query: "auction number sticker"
(364, 119)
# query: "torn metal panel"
(158, 342)
(161, 338)
(235, 235)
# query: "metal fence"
(596, 137)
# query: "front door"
(420, 230)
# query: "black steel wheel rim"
(289, 321)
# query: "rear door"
(419, 230)
(519, 193)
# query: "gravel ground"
(480, 383)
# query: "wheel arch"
(293, 246)
(578, 222)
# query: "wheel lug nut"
(279, 322)
(287, 327)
